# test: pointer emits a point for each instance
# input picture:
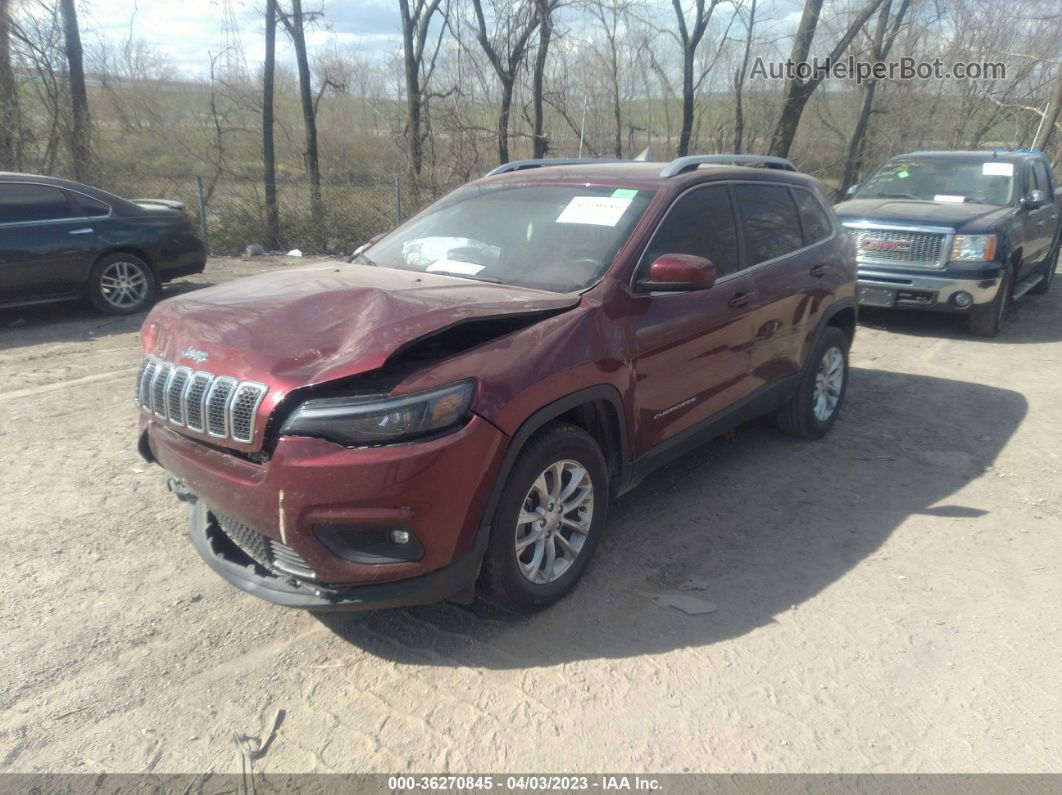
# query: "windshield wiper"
(367, 260)
(901, 196)
(490, 279)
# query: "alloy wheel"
(554, 521)
(124, 284)
(829, 380)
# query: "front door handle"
(88, 230)
(818, 271)
(740, 299)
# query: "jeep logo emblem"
(195, 355)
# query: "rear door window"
(24, 202)
(813, 218)
(91, 207)
(771, 222)
(700, 223)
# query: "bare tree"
(416, 20)
(269, 158)
(797, 91)
(885, 32)
(506, 50)
(9, 116)
(544, 10)
(739, 83)
(1047, 125)
(75, 58)
(295, 24)
(608, 14)
(689, 37)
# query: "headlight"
(367, 421)
(978, 247)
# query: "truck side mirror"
(1035, 200)
(851, 190)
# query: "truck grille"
(904, 248)
(219, 406)
(265, 551)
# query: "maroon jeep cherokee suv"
(457, 406)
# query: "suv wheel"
(813, 408)
(122, 284)
(1047, 271)
(548, 521)
(987, 320)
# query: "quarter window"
(700, 223)
(91, 207)
(772, 226)
(23, 202)
(813, 218)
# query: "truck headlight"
(368, 421)
(974, 247)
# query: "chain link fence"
(231, 212)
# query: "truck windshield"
(559, 238)
(980, 181)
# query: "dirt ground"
(888, 598)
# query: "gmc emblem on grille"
(884, 245)
(195, 355)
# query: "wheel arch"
(598, 410)
(135, 251)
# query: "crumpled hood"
(915, 213)
(315, 324)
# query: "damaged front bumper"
(240, 570)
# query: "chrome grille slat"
(911, 248)
(158, 389)
(222, 407)
(217, 406)
(243, 408)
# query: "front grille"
(221, 406)
(264, 551)
(902, 247)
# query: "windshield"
(560, 238)
(987, 181)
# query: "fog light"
(962, 299)
(400, 536)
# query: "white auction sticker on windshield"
(454, 266)
(596, 210)
(944, 197)
(997, 169)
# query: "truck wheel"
(549, 520)
(121, 284)
(813, 408)
(1047, 270)
(987, 320)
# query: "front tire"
(122, 284)
(549, 520)
(987, 320)
(814, 407)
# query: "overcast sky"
(186, 30)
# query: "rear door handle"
(740, 299)
(818, 271)
(88, 230)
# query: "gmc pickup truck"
(956, 231)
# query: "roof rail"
(520, 165)
(680, 165)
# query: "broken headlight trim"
(373, 421)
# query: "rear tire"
(1047, 270)
(531, 562)
(814, 407)
(122, 284)
(987, 320)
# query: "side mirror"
(679, 273)
(1035, 200)
(851, 190)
